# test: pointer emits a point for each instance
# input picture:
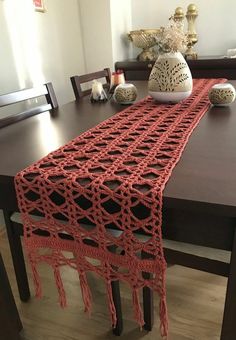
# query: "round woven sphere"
(222, 94)
(125, 93)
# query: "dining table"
(199, 200)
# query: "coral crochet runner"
(111, 176)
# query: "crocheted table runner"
(111, 176)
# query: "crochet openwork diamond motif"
(109, 178)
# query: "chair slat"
(23, 95)
(77, 81)
(20, 96)
(23, 115)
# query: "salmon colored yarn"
(111, 176)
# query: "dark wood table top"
(204, 178)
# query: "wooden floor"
(195, 304)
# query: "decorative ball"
(179, 11)
(222, 94)
(192, 9)
(125, 93)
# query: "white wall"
(77, 36)
(121, 24)
(40, 47)
(105, 25)
(8, 79)
(215, 25)
(96, 34)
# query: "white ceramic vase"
(170, 79)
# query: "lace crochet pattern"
(111, 176)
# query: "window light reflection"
(24, 37)
(47, 134)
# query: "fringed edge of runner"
(87, 296)
(86, 293)
(111, 304)
(36, 277)
(163, 317)
(163, 313)
(60, 287)
(37, 280)
(138, 314)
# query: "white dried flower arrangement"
(172, 38)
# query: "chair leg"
(148, 306)
(115, 285)
(117, 302)
(18, 258)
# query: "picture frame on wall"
(39, 5)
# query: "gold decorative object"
(191, 16)
(179, 15)
(222, 94)
(145, 39)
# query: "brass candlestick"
(192, 35)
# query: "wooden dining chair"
(78, 81)
(15, 230)
(45, 90)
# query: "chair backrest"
(77, 81)
(23, 95)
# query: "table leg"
(148, 307)
(228, 331)
(10, 323)
(18, 259)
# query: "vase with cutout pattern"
(170, 80)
